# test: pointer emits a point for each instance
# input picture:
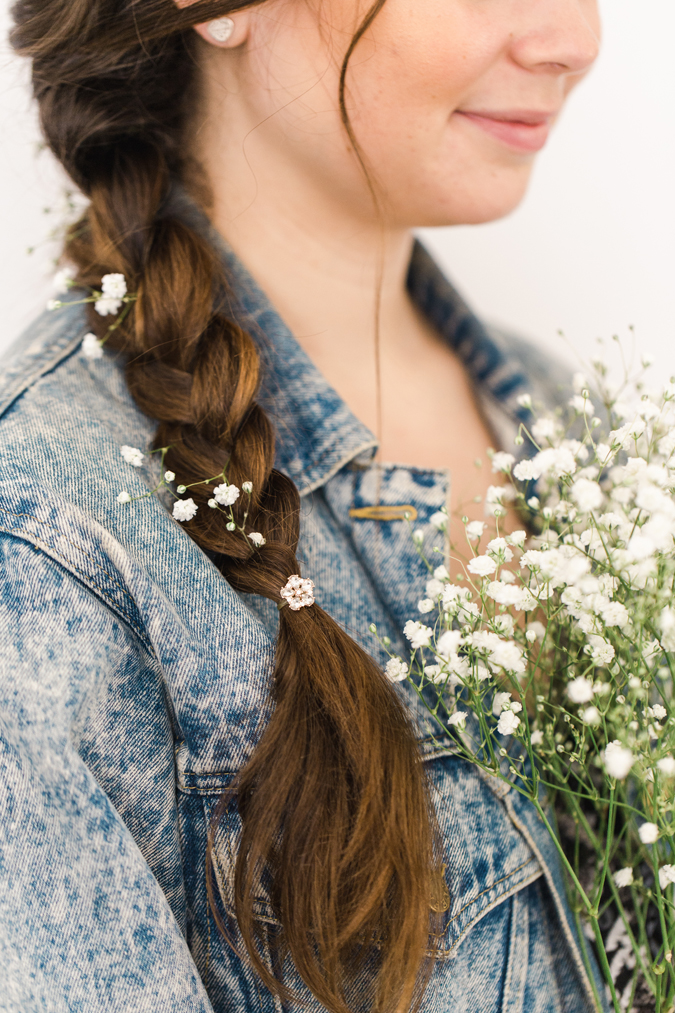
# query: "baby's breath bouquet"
(548, 656)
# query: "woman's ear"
(224, 32)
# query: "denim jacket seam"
(323, 479)
(28, 379)
(74, 544)
(37, 541)
(493, 885)
(450, 953)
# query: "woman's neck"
(321, 263)
(324, 274)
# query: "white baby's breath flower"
(54, 304)
(581, 405)
(537, 737)
(667, 766)
(506, 593)
(508, 722)
(525, 400)
(107, 306)
(666, 444)
(61, 280)
(666, 623)
(502, 461)
(499, 702)
(474, 530)
(579, 383)
(504, 625)
(587, 494)
(666, 876)
(247, 487)
(530, 636)
(659, 712)
(538, 629)
(212, 503)
(452, 595)
(449, 643)
(114, 286)
(499, 548)
(602, 653)
(257, 538)
(482, 566)
(91, 347)
(458, 720)
(556, 461)
(618, 760)
(132, 455)
(169, 476)
(517, 538)
(439, 521)
(425, 605)
(626, 435)
(591, 716)
(434, 588)
(580, 690)
(441, 573)
(396, 670)
(436, 674)
(648, 833)
(123, 497)
(418, 536)
(623, 877)
(526, 471)
(226, 494)
(545, 428)
(184, 509)
(418, 634)
(614, 614)
(604, 453)
(495, 498)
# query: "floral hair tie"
(297, 592)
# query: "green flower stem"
(644, 967)
(585, 956)
(120, 319)
(609, 837)
(590, 910)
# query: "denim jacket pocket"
(485, 857)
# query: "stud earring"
(221, 29)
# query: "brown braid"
(334, 803)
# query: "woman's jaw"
(449, 102)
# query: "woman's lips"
(521, 130)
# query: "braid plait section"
(335, 809)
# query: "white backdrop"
(590, 252)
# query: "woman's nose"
(560, 36)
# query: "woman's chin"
(472, 210)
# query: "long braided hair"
(334, 805)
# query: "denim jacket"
(134, 683)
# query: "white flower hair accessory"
(298, 592)
(112, 299)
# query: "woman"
(213, 797)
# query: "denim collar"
(317, 434)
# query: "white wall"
(590, 252)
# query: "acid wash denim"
(134, 684)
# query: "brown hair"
(334, 804)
